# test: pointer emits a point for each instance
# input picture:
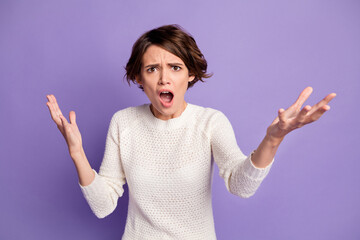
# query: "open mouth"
(166, 96)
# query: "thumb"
(72, 117)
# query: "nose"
(164, 77)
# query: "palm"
(70, 131)
(294, 117)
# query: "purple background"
(262, 54)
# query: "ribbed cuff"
(254, 172)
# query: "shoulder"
(206, 112)
(214, 124)
(129, 112)
(208, 116)
(126, 117)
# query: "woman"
(163, 150)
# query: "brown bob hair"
(175, 40)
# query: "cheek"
(148, 91)
(183, 87)
(148, 83)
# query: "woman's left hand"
(294, 117)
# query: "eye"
(176, 68)
(151, 69)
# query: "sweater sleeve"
(241, 177)
(103, 192)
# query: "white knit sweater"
(168, 168)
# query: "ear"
(191, 78)
(138, 79)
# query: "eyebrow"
(170, 64)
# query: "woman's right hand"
(70, 131)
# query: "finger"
(301, 117)
(290, 112)
(53, 112)
(318, 113)
(55, 104)
(50, 106)
(64, 121)
(302, 97)
(51, 103)
(294, 109)
(72, 117)
(281, 114)
(282, 118)
(66, 129)
(323, 102)
(66, 124)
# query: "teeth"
(165, 92)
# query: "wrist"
(78, 154)
(273, 141)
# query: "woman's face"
(164, 78)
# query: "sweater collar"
(167, 124)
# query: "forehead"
(156, 54)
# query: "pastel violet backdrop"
(262, 54)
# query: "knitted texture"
(168, 168)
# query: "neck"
(157, 114)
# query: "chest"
(177, 155)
